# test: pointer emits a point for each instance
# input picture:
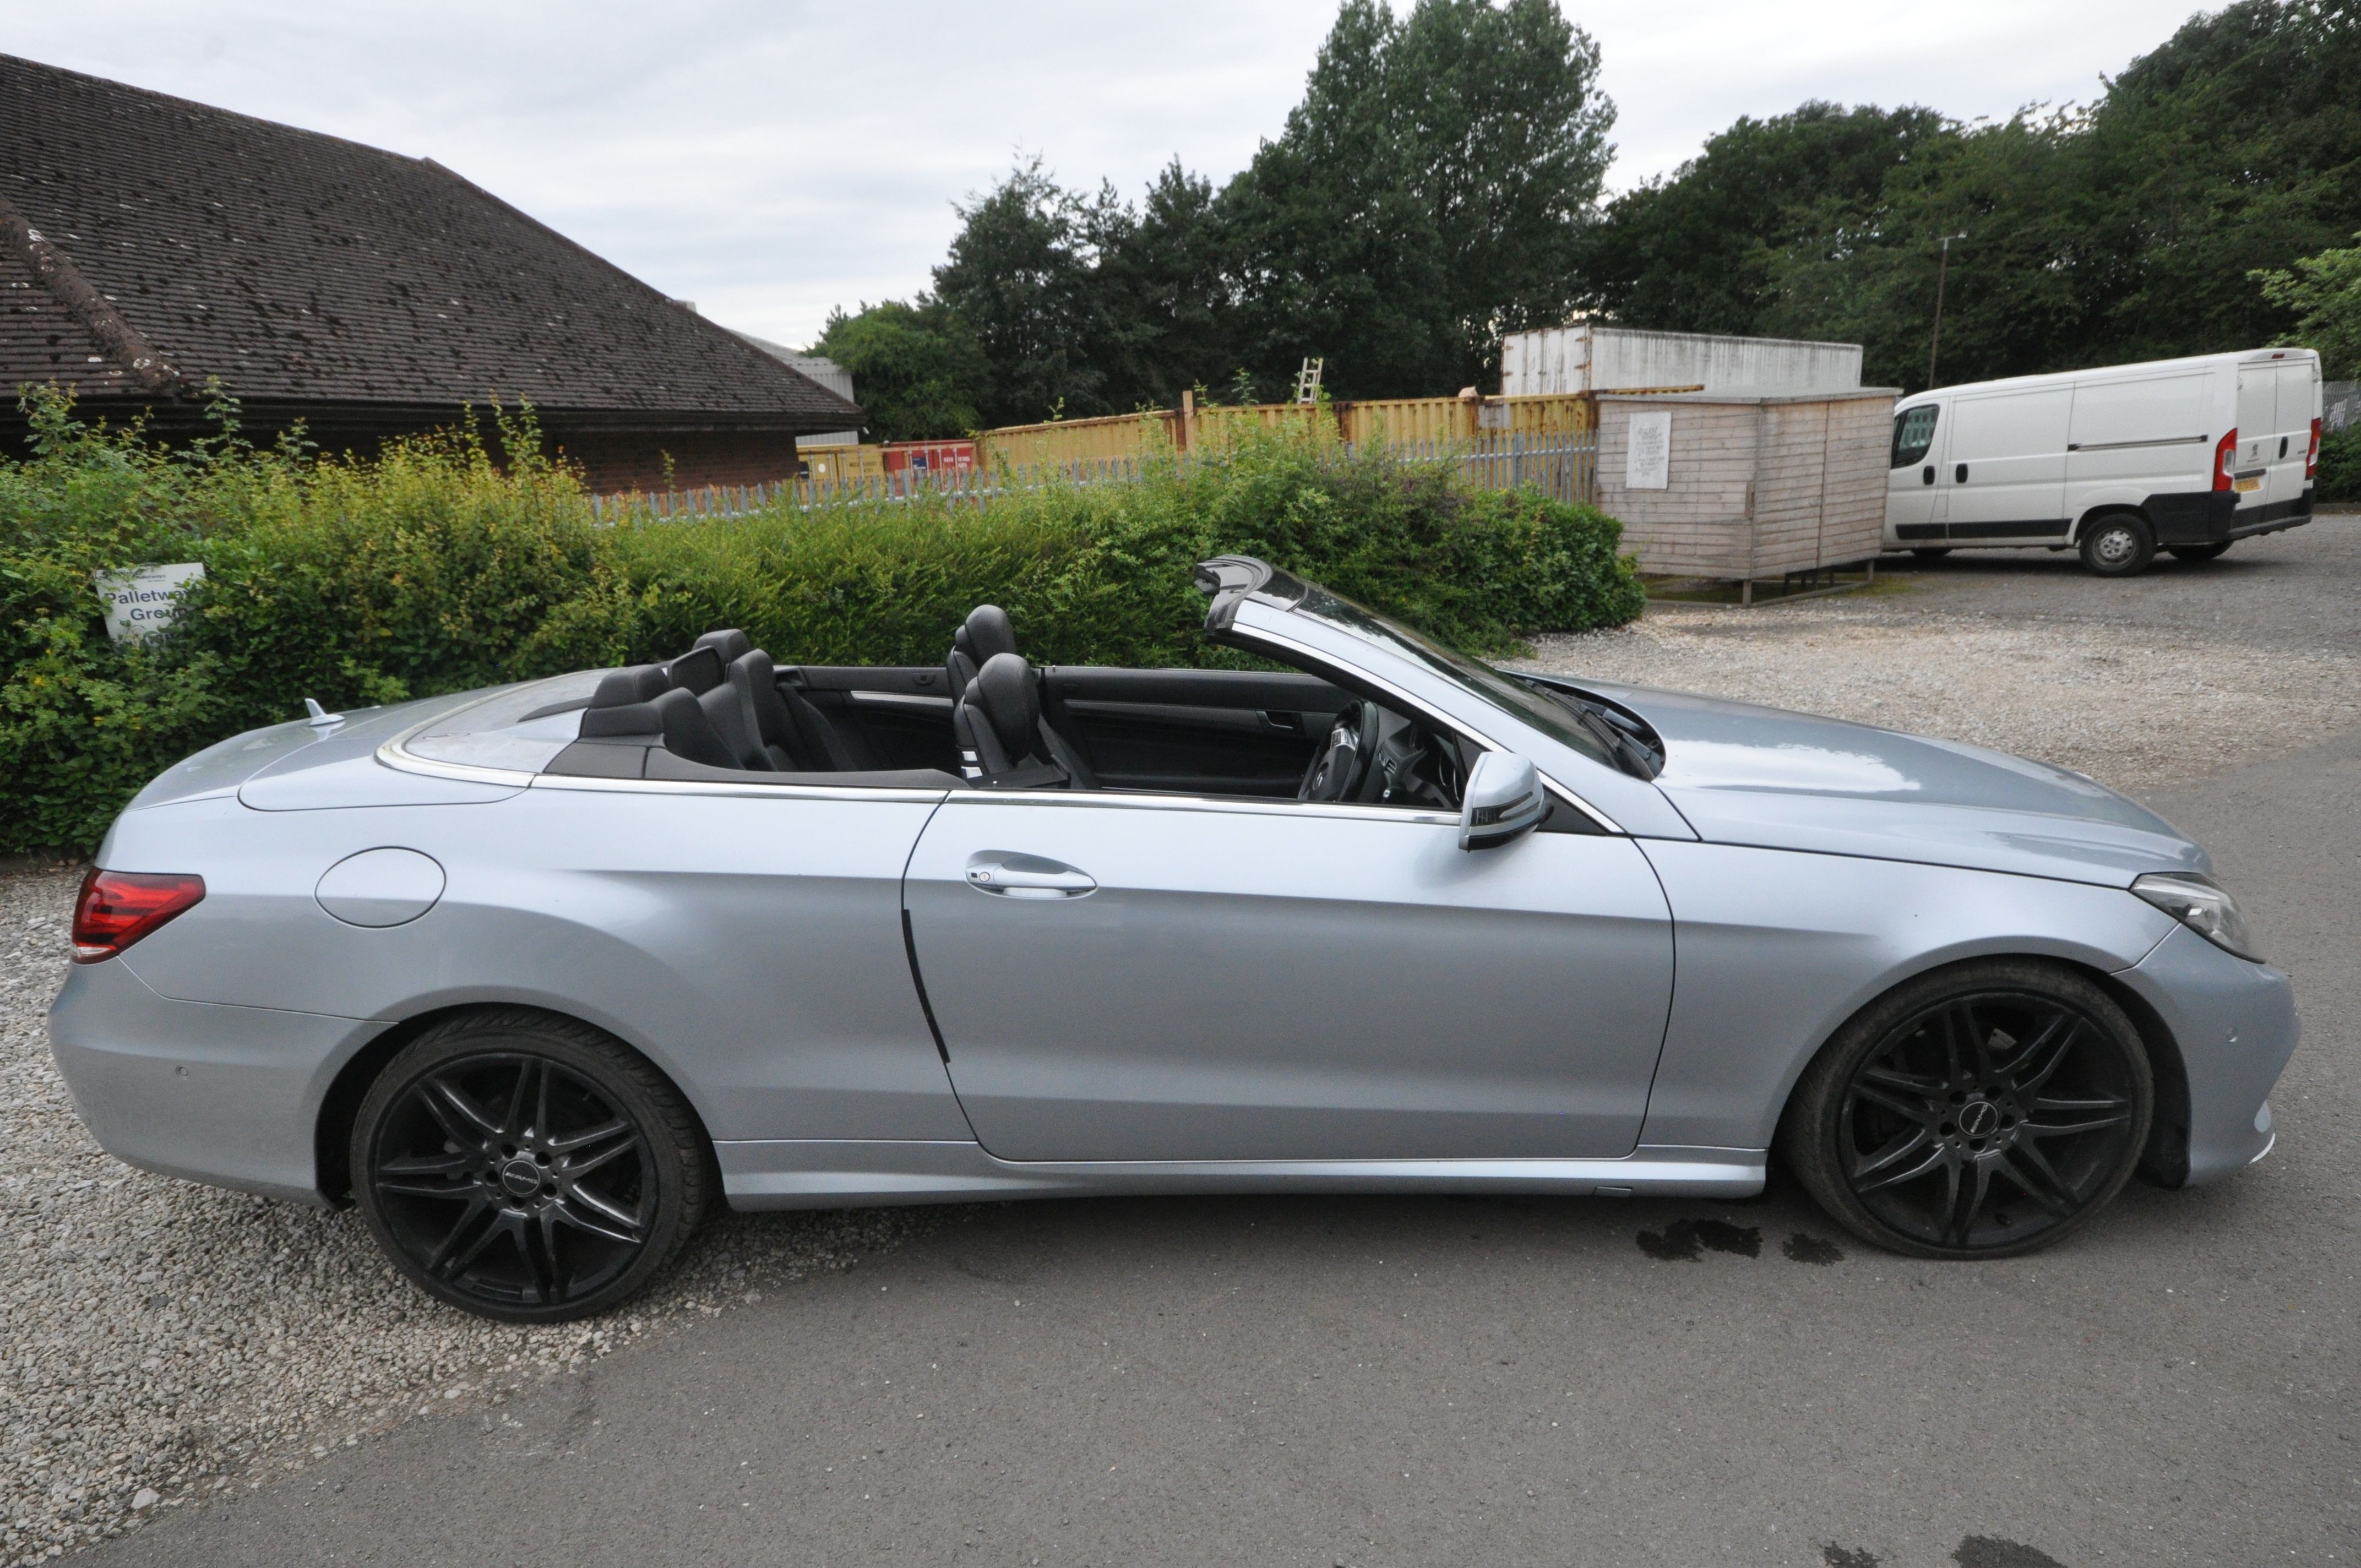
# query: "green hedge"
(2340, 465)
(436, 569)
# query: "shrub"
(2340, 465)
(436, 569)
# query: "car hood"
(1744, 774)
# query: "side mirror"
(1503, 802)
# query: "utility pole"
(1941, 268)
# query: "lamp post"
(1941, 268)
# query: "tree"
(1019, 276)
(1699, 251)
(917, 368)
(2323, 294)
(1428, 193)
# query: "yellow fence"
(1391, 421)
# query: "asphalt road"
(1334, 1381)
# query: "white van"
(2180, 454)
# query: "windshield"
(1523, 703)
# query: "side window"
(1913, 432)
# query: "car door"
(1914, 511)
(2004, 477)
(1136, 977)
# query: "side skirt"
(839, 1175)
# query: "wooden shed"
(1746, 487)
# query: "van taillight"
(116, 908)
(2311, 458)
(2225, 454)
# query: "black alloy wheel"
(527, 1167)
(2194, 552)
(1980, 1112)
(2118, 545)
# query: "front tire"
(527, 1167)
(2118, 545)
(1981, 1111)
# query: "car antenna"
(321, 717)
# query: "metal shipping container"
(1588, 358)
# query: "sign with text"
(145, 601)
(1648, 461)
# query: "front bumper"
(229, 1096)
(2236, 1023)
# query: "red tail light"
(2225, 455)
(117, 908)
(2311, 458)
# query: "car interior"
(987, 718)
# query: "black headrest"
(619, 688)
(698, 671)
(1003, 692)
(688, 733)
(729, 644)
(988, 634)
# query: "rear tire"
(2118, 545)
(2193, 553)
(1981, 1111)
(528, 1167)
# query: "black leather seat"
(1014, 745)
(986, 633)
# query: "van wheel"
(2197, 552)
(1931, 551)
(2118, 546)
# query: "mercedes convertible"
(534, 976)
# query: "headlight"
(2197, 903)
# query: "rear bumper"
(228, 1096)
(2214, 517)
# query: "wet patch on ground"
(1805, 1247)
(1688, 1241)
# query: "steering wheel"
(1343, 764)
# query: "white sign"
(1647, 460)
(146, 600)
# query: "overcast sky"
(771, 160)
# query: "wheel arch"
(2112, 507)
(332, 1129)
(2164, 1162)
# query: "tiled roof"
(297, 267)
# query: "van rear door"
(2298, 404)
(2259, 438)
(2003, 478)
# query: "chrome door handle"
(1026, 876)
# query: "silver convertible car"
(535, 975)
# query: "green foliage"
(2340, 465)
(1701, 251)
(2121, 231)
(922, 373)
(2323, 294)
(439, 569)
(1430, 190)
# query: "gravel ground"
(163, 1341)
(2103, 698)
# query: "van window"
(1913, 432)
